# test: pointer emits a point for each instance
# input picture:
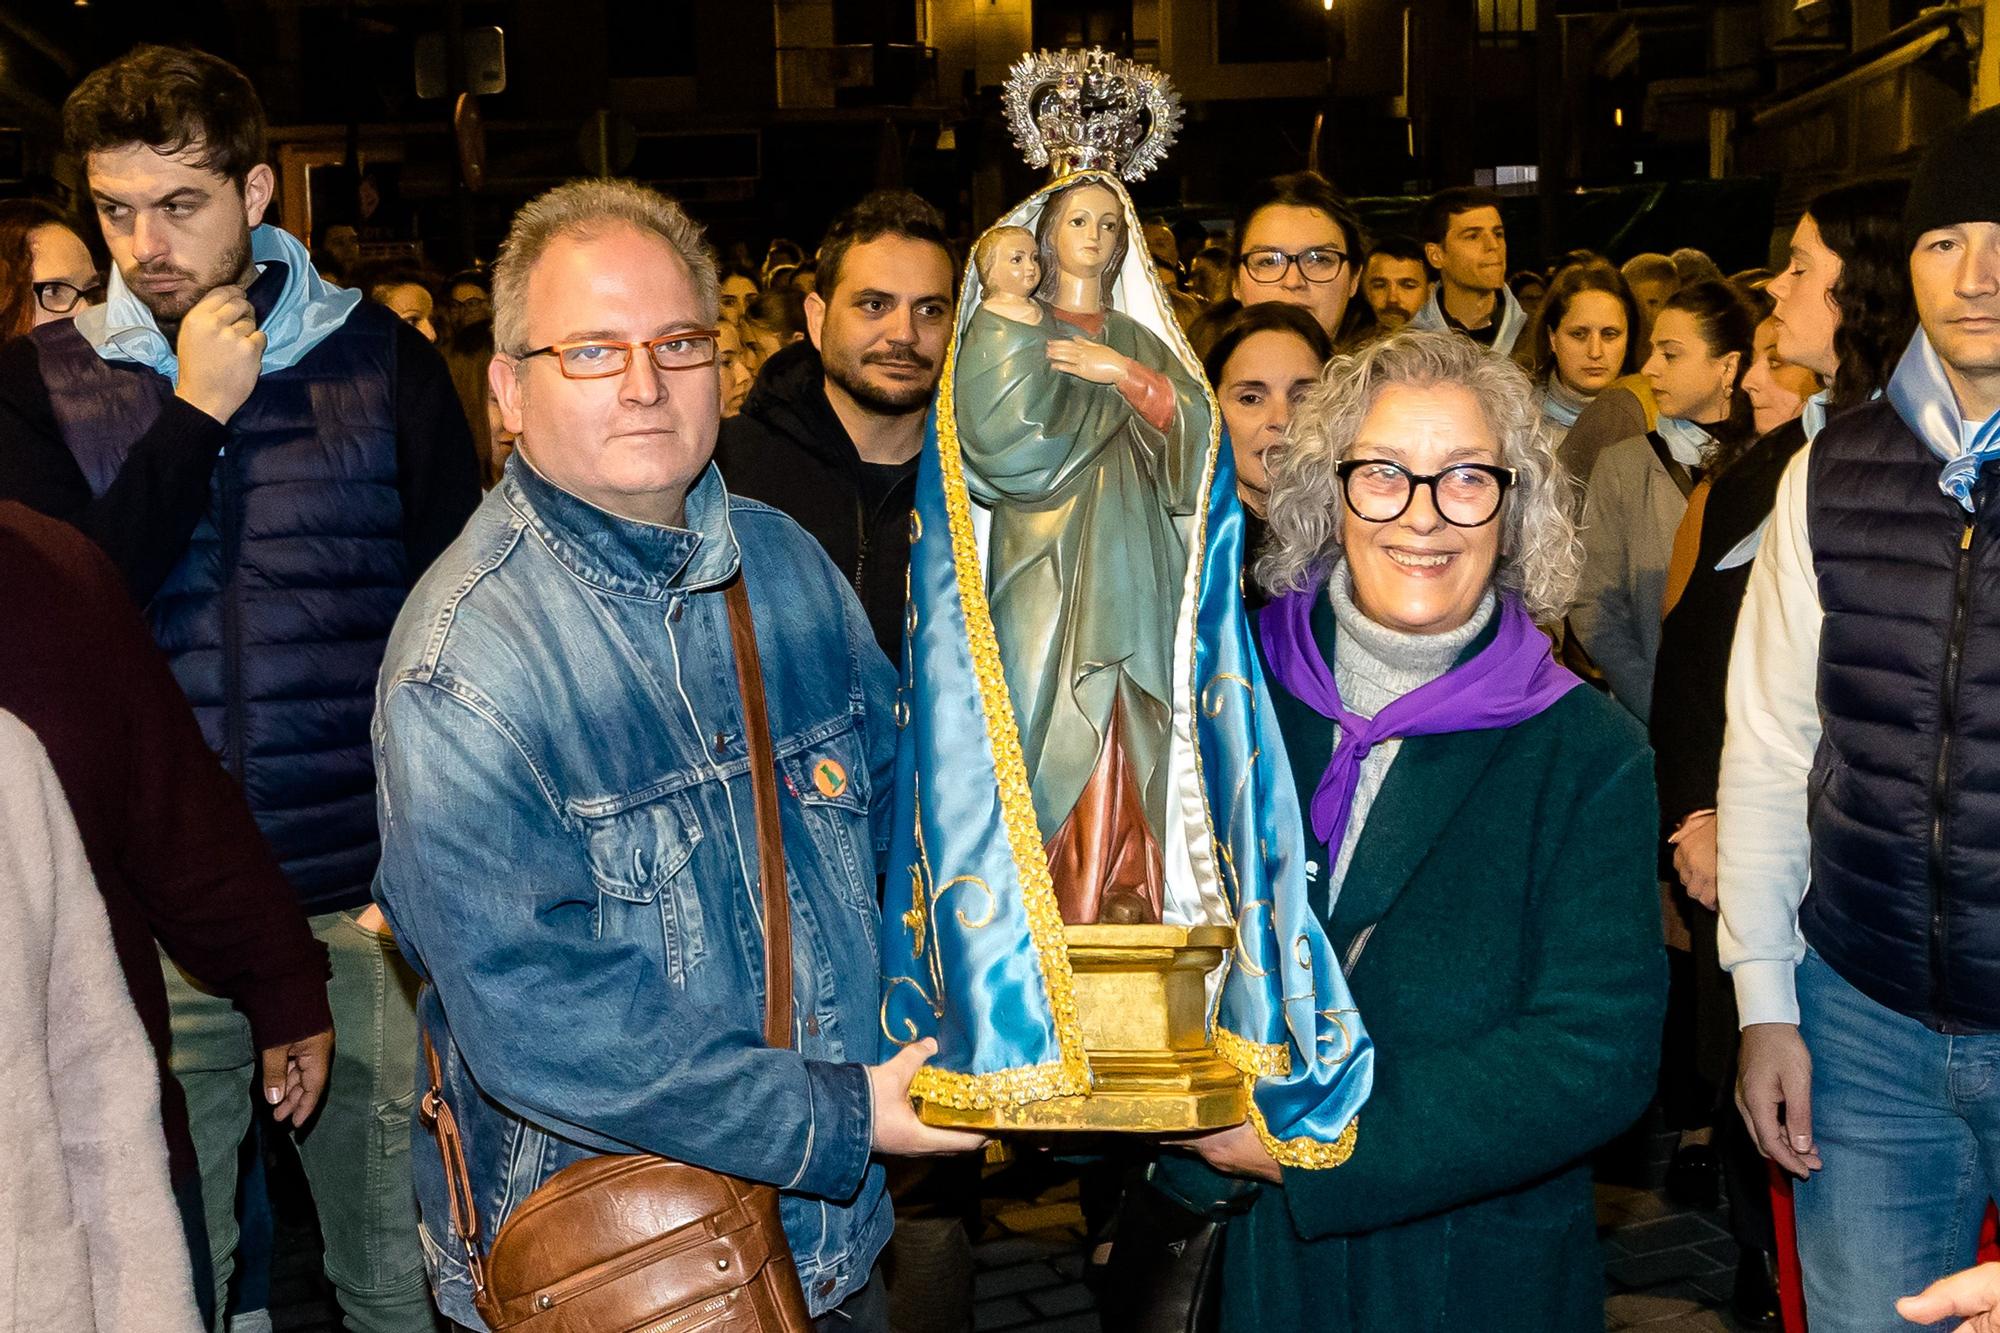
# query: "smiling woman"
(1479, 846)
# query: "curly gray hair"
(1539, 552)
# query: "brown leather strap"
(777, 928)
(457, 1178)
(770, 838)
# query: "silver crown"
(1091, 110)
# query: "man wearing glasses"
(568, 823)
(1298, 241)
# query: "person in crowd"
(1692, 266)
(1209, 274)
(182, 426)
(1856, 698)
(468, 301)
(1529, 287)
(46, 271)
(407, 294)
(516, 693)
(1418, 532)
(1708, 573)
(87, 1220)
(1264, 363)
(1652, 278)
(785, 278)
(1465, 244)
(772, 321)
(1638, 489)
(739, 288)
(1777, 389)
(1205, 330)
(1845, 308)
(171, 844)
(831, 431)
(733, 364)
(1396, 281)
(780, 253)
(467, 354)
(1579, 340)
(1299, 241)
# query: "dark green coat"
(1515, 989)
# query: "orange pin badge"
(830, 778)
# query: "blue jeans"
(355, 1150)
(1908, 1123)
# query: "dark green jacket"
(1515, 989)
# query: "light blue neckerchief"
(1924, 399)
(307, 310)
(1686, 441)
(1813, 415)
(1561, 405)
(1513, 319)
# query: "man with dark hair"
(1858, 858)
(1465, 241)
(270, 462)
(831, 430)
(1298, 240)
(1396, 281)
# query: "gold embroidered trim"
(1254, 1058)
(1308, 1154)
(983, 1092)
(1069, 1075)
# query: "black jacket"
(788, 449)
(1692, 669)
(1903, 800)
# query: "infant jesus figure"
(1010, 269)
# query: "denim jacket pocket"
(638, 859)
(829, 778)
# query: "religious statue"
(1085, 438)
(1096, 900)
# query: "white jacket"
(90, 1240)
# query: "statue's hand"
(1088, 360)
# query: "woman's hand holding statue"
(1237, 1152)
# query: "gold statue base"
(1142, 997)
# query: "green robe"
(1085, 562)
(1514, 988)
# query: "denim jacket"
(569, 852)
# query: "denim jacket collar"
(624, 556)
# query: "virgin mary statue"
(1086, 742)
(1086, 440)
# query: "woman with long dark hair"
(46, 271)
(1583, 337)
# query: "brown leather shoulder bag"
(640, 1244)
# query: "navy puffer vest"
(276, 618)
(1904, 801)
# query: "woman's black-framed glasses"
(1467, 495)
(60, 298)
(601, 358)
(1317, 263)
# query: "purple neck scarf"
(1509, 681)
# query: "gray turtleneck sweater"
(1374, 666)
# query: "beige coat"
(1631, 509)
(90, 1240)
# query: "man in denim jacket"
(568, 830)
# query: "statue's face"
(1087, 229)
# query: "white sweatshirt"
(1763, 852)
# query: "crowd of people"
(376, 686)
